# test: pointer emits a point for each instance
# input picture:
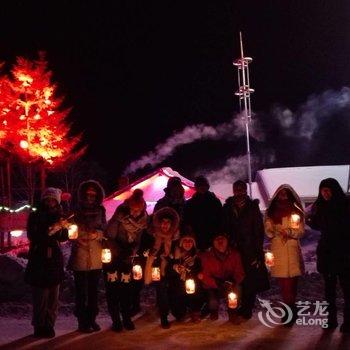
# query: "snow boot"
(127, 323)
(95, 326)
(214, 315)
(39, 332)
(332, 321)
(117, 325)
(294, 316)
(195, 317)
(345, 328)
(164, 322)
(83, 325)
(49, 332)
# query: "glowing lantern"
(190, 286)
(73, 231)
(23, 144)
(106, 256)
(294, 221)
(155, 274)
(137, 272)
(16, 233)
(269, 259)
(232, 300)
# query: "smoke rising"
(317, 110)
(235, 168)
(296, 128)
(230, 130)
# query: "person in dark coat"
(203, 213)
(173, 198)
(125, 232)
(243, 221)
(222, 272)
(44, 272)
(165, 229)
(85, 259)
(330, 214)
(185, 264)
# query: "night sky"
(155, 67)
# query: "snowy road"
(208, 334)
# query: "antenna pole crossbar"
(244, 91)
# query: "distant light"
(160, 182)
(16, 233)
(24, 144)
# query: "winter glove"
(189, 261)
(57, 226)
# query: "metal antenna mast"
(243, 94)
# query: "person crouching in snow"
(284, 225)
(185, 265)
(165, 227)
(124, 231)
(85, 259)
(222, 272)
(44, 271)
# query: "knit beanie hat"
(52, 192)
(187, 235)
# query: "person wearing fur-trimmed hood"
(284, 226)
(165, 229)
(85, 259)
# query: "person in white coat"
(284, 226)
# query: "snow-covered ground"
(16, 330)
(208, 334)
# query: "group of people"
(194, 252)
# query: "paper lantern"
(232, 300)
(106, 256)
(155, 274)
(73, 231)
(269, 259)
(295, 221)
(190, 286)
(137, 272)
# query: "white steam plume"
(234, 169)
(229, 130)
(313, 113)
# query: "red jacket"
(213, 268)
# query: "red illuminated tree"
(34, 125)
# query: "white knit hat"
(52, 192)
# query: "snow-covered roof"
(305, 180)
(152, 186)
